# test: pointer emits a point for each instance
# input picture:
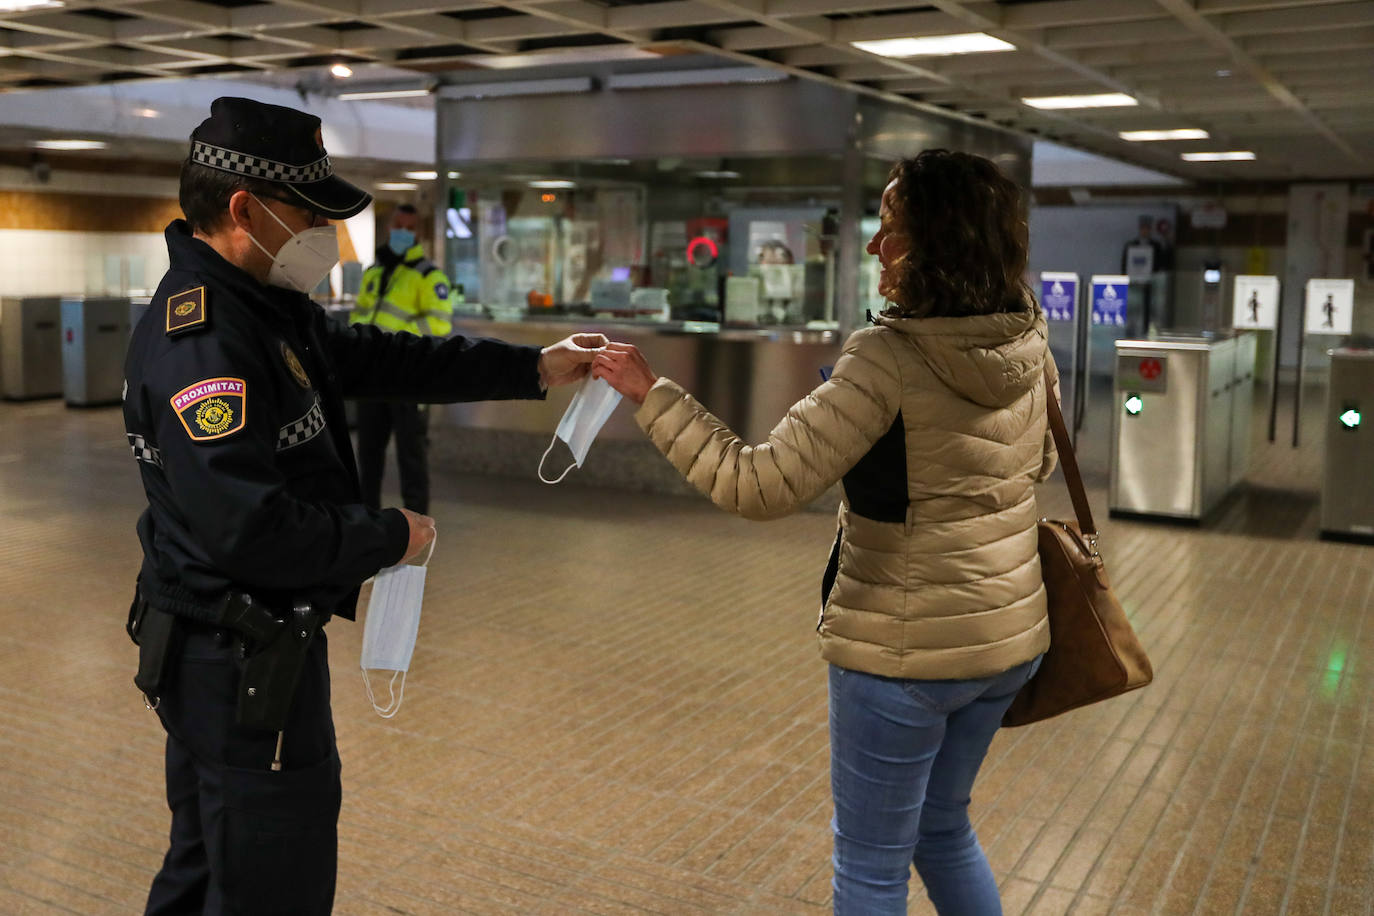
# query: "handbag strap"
(1069, 462)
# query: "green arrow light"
(1134, 405)
(1350, 419)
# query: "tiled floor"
(616, 706)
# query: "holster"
(158, 639)
(271, 669)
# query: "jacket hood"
(991, 360)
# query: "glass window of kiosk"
(747, 243)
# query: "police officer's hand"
(421, 532)
(568, 360)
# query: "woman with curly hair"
(933, 607)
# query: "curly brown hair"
(966, 222)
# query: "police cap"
(276, 144)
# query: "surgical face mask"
(305, 259)
(591, 407)
(401, 240)
(393, 622)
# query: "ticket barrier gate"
(30, 348)
(1180, 424)
(95, 337)
(1347, 483)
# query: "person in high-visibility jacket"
(403, 292)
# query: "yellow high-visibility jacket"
(407, 294)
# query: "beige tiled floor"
(616, 707)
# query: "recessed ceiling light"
(342, 71)
(1101, 100)
(20, 6)
(455, 174)
(935, 45)
(554, 185)
(397, 186)
(68, 145)
(383, 94)
(422, 175)
(1232, 156)
(1223, 73)
(147, 112)
(1181, 133)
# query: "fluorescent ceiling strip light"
(22, 6)
(705, 76)
(554, 185)
(935, 45)
(1182, 133)
(1101, 100)
(513, 88)
(422, 175)
(68, 145)
(369, 95)
(709, 173)
(1232, 156)
(397, 186)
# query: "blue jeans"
(903, 757)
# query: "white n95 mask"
(589, 410)
(393, 622)
(303, 260)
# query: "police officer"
(255, 532)
(403, 291)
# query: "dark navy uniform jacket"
(234, 410)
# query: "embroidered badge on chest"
(213, 408)
(294, 366)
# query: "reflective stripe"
(391, 308)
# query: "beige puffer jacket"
(955, 590)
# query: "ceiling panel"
(1254, 71)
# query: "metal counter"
(1347, 484)
(1180, 424)
(748, 378)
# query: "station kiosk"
(1180, 424)
(1347, 482)
(95, 337)
(30, 348)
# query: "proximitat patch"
(186, 310)
(212, 409)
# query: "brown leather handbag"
(1094, 654)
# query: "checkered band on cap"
(303, 430)
(227, 160)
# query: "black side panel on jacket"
(876, 485)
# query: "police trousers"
(244, 839)
(377, 421)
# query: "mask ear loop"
(393, 705)
(559, 478)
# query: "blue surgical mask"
(401, 240)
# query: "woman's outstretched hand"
(624, 369)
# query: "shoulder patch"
(441, 290)
(213, 408)
(186, 310)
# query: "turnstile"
(30, 348)
(138, 307)
(95, 337)
(1347, 483)
(1180, 424)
